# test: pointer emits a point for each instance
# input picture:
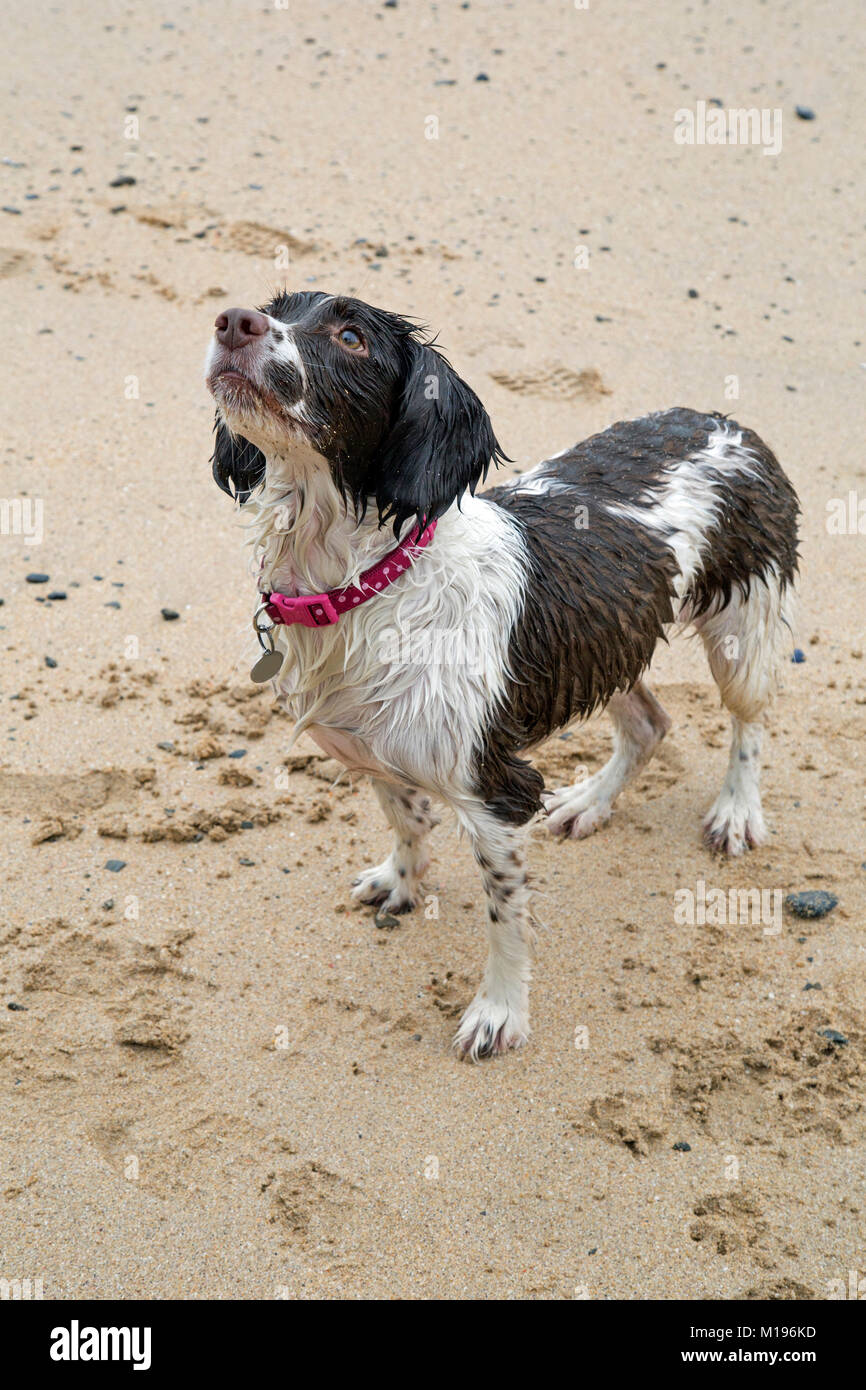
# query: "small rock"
(247, 863)
(50, 662)
(386, 921)
(482, 77)
(123, 181)
(693, 294)
(798, 655)
(238, 753)
(17, 1008)
(166, 746)
(56, 595)
(813, 903)
(114, 866)
(832, 1036)
(169, 614)
(682, 1147)
(805, 113)
(37, 578)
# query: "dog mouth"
(239, 394)
(232, 381)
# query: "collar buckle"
(310, 610)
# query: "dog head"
(361, 387)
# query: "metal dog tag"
(270, 662)
(267, 667)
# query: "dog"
(356, 451)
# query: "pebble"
(57, 595)
(813, 903)
(832, 1036)
(169, 614)
(114, 866)
(168, 747)
(386, 921)
(798, 655)
(236, 752)
(50, 663)
(37, 578)
(805, 113)
(17, 1008)
(682, 1147)
(122, 181)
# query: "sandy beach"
(218, 1078)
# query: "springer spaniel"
(433, 658)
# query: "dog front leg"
(395, 885)
(498, 1017)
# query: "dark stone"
(123, 181)
(57, 594)
(837, 1039)
(812, 903)
(36, 578)
(682, 1147)
(805, 113)
(169, 614)
(50, 662)
(798, 655)
(114, 866)
(386, 921)
(17, 1008)
(238, 753)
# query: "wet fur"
(561, 585)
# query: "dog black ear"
(238, 466)
(440, 443)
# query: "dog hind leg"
(640, 724)
(743, 642)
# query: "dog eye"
(350, 339)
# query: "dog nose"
(237, 327)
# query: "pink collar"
(323, 610)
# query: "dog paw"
(488, 1028)
(732, 828)
(575, 812)
(387, 889)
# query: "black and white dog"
(532, 604)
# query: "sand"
(218, 1079)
